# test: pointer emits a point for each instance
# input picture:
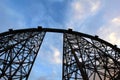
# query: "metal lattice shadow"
(85, 57)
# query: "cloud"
(95, 5)
(116, 21)
(56, 58)
(80, 10)
(110, 31)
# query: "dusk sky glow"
(94, 17)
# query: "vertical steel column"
(18, 53)
(74, 75)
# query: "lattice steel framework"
(17, 54)
(89, 59)
(85, 57)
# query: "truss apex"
(39, 27)
(96, 36)
(10, 30)
(70, 30)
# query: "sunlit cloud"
(95, 5)
(110, 31)
(116, 21)
(56, 56)
(114, 38)
(79, 11)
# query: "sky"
(94, 17)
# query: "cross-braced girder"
(85, 57)
(89, 59)
(17, 54)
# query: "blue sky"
(95, 17)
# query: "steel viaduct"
(85, 57)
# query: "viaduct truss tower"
(85, 57)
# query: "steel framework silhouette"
(85, 57)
